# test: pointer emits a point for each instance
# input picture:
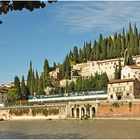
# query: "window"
(113, 88)
(127, 94)
(128, 74)
(123, 88)
(111, 96)
(130, 88)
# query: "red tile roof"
(121, 81)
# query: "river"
(70, 129)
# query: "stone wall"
(6, 115)
(121, 109)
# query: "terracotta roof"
(121, 81)
(133, 66)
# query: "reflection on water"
(70, 129)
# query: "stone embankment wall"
(119, 109)
(33, 113)
(76, 110)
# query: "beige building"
(122, 89)
(3, 96)
(55, 74)
(130, 72)
(92, 67)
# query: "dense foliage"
(98, 82)
(125, 45)
(7, 6)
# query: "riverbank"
(75, 110)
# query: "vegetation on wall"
(45, 111)
(18, 112)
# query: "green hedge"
(19, 112)
(45, 111)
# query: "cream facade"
(130, 72)
(92, 67)
(123, 89)
(55, 73)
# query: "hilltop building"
(131, 71)
(99, 67)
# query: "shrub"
(115, 104)
(130, 105)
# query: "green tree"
(54, 65)
(46, 76)
(75, 54)
(12, 95)
(130, 60)
(80, 57)
(68, 68)
(7, 6)
(116, 73)
(36, 82)
(17, 86)
(119, 69)
(24, 94)
(71, 87)
(40, 86)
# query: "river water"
(70, 129)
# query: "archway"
(77, 112)
(72, 112)
(82, 112)
(93, 112)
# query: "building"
(10, 85)
(123, 89)
(3, 92)
(99, 67)
(3, 96)
(131, 71)
(55, 74)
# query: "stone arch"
(83, 112)
(93, 112)
(72, 112)
(77, 112)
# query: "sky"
(53, 31)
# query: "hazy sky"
(51, 32)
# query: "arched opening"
(93, 112)
(82, 112)
(77, 112)
(72, 112)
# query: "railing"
(71, 98)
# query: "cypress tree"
(46, 76)
(123, 43)
(40, 86)
(75, 54)
(130, 60)
(136, 42)
(54, 65)
(24, 94)
(32, 86)
(36, 82)
(80, 57)
(116, 73)
(17, 86)
(119, 69)
(30, 79)
(68, 69)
